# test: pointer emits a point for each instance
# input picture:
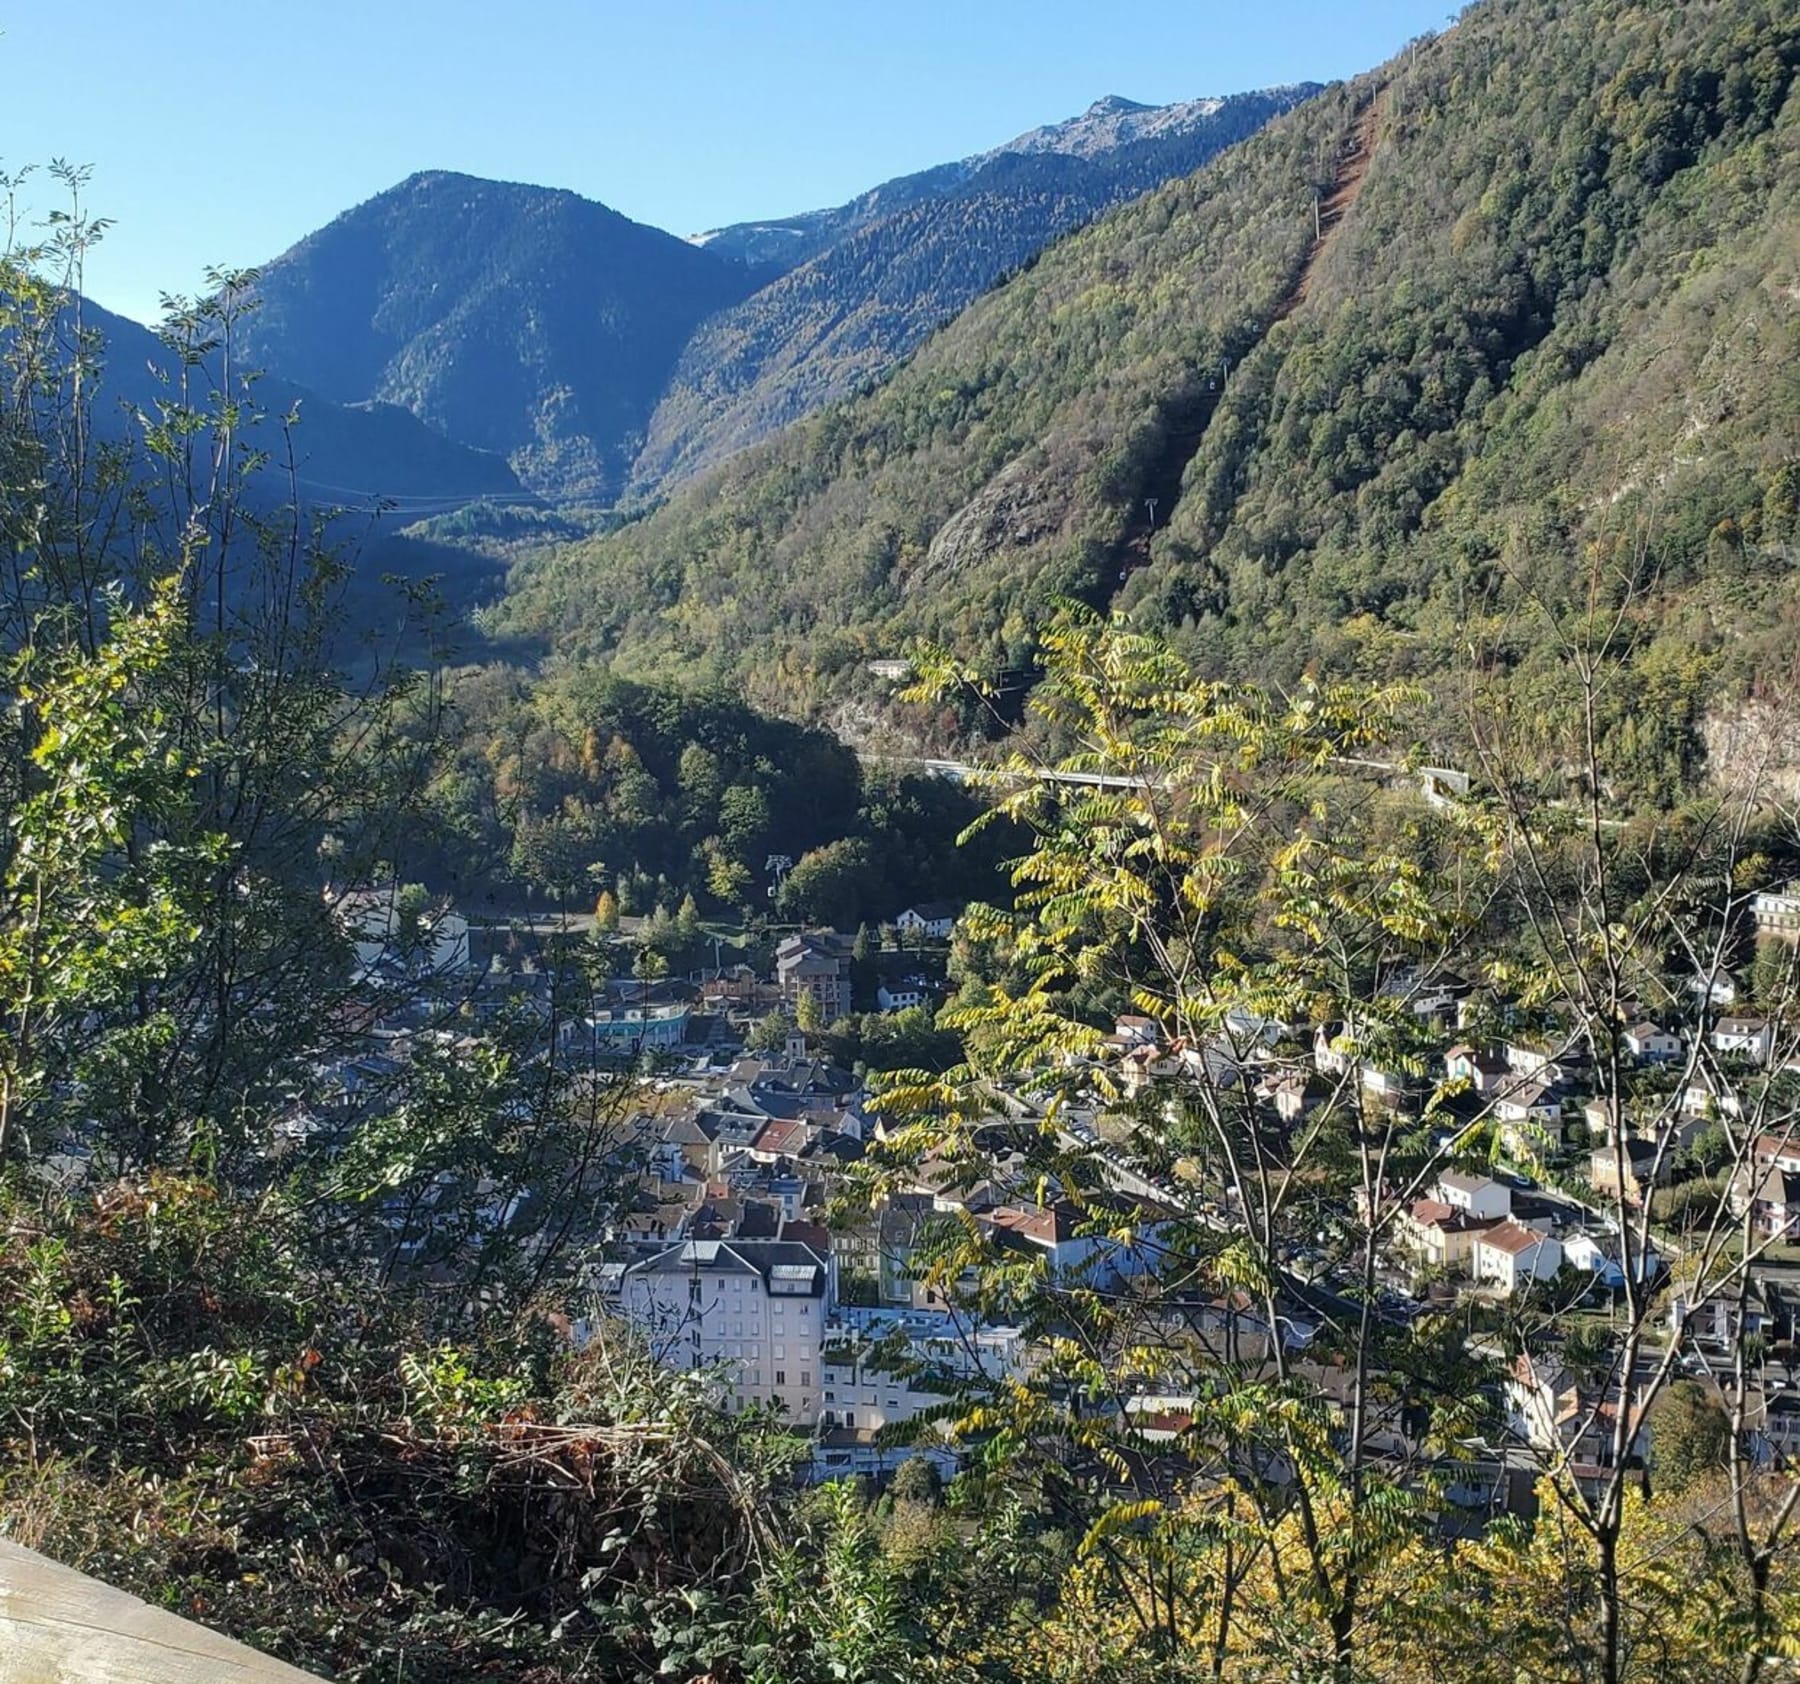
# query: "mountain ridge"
(549, 327)
(522, 319)
(883, 270)
(1562, 203)
(362, 454)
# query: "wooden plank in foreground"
(58, 1626)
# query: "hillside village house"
(1333, 1048)
(1544, 1057)
(815, 965)
(1058, 1234)
(1548, 1409)
(1716, 988)
(1777, 912)
(1630, 1169)
(1744, 1037)
(1439, 1235)
(901, 993)
(373, 920)
(1528, 1112)
(1389, 1087)
(1296, 1094)
(1702, 1099)
(1601, 1114)
(1475, 1195)
(861, 1390)
(1767, 1189)
(1512, 1257)
(1781, 1427)
(1483, 1071)
(1649, 1043)
(1721, 1320)
(932, 918)
(1602, 1256)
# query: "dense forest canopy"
(585, 783)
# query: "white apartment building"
(883, 1366)
(754, 1310)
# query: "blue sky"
(221, 132)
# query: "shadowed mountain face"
(342, 453)
(868, 281)
(1341, 400)
(516, 319)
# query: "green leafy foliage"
(664, 794)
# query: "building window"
(806, 1377)
(781, 1376)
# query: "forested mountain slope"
(518, 319)
(1555, 318)
(869, 280)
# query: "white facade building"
(1478, 1195)
(755, 1310)
(935, 919)
(1745, 1037)
(372, 919)
(1512, 1257)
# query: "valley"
(1041, 929)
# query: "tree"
(1772, 973)
(744, 820)
(700, 782)
(830, 885)
(81, 922)
(864, 975)
(1213, 865)
(296, 780)
(659, 934)
(1709, 1150)
(806, 1012)
(727, 879)
(687, 920)
(1219, 883)
(606, 912)
(1690, 1436)
(770, 1032)
(916, 1480)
